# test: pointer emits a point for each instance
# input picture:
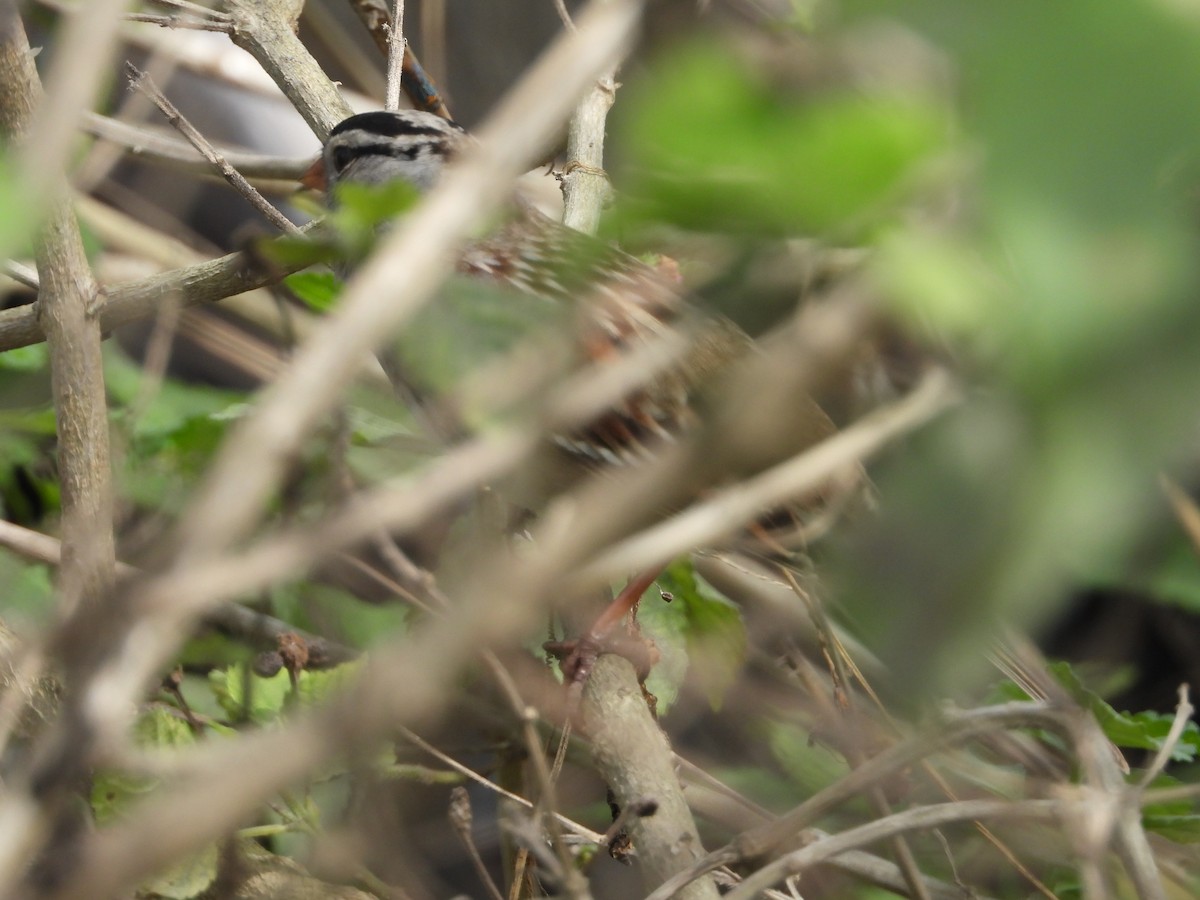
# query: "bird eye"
(342, 157)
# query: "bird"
(618, 303)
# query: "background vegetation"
(270, 630)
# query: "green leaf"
(366, 206)
(28, 588)
(173, 406)
(270, 697)
(114, 792)
(333, 611)
(714, 630)
(318, 290)
(163, 728)
(244, 695)
(713, 147)
(1143, 730)
(316, 686)
(186, 879)
(666, 626)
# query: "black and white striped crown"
(377, 147)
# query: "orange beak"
(314, 176)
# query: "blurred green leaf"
(316, 686)
(188, 878)
(28, 588)
(33, 358)
(318, 290)
(19, 219)
(473, 324)
(666, 626)
(337, 613)
(713, 147)
(114, 792)
(245, 695)
(713, 628)
(299, 251)
(1073, 277)
(367, 206)
(160, 727)
(269, 698)
(174, 404)
(809, 764)
(1181, 829)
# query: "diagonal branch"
(141, 81)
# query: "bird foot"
(578, 657)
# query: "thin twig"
(397, 44)
(151, 146)
(203, 282)
(711, 521)
(910, 820)
(195, 9)
(140, 81)
(416, 81)
(586, 833)
(1183, 715)
(181, 21)
(547, 805)
(853, 750)
(239, 621)
(461, 819)
(561, 8)
(761, 840)
(19, 272)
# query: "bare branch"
(415, 81)
(266, 29)
(397, 47)
(632, 754)
(203, 282)
(140, 81)
(182, 21)
(145, 144)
